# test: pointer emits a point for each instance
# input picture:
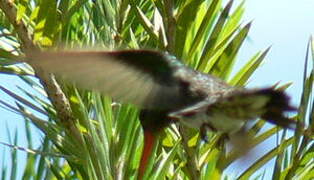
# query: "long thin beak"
(149, 141)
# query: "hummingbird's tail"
(267, 103)
(275, 108)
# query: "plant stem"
(192, 160)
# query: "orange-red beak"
(149, 141)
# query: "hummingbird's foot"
(205, 127)
(222, 139)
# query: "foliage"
(105, 139)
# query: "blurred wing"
(137, 77)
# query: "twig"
(35, 152)
(192, 166)
(10, 11)
(170, 23)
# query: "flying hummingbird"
(167, 91)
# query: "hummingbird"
(167, 91)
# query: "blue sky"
(286, 25)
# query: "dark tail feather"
(276, 107)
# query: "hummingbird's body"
(196, 88)
(167, 91)
(188, 87)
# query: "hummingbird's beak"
(149, 141)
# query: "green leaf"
(247, 70)
(205, 25)
(163, 166)
(217, 29)
(233, 155)
(47, 23)
(264, 159)
(222, 67)
(15, 70)
(145, 22)
(185, 18)
(21, 9)
(14, 158)
(23, 100)
(7, 58)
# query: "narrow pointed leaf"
(247, 70)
